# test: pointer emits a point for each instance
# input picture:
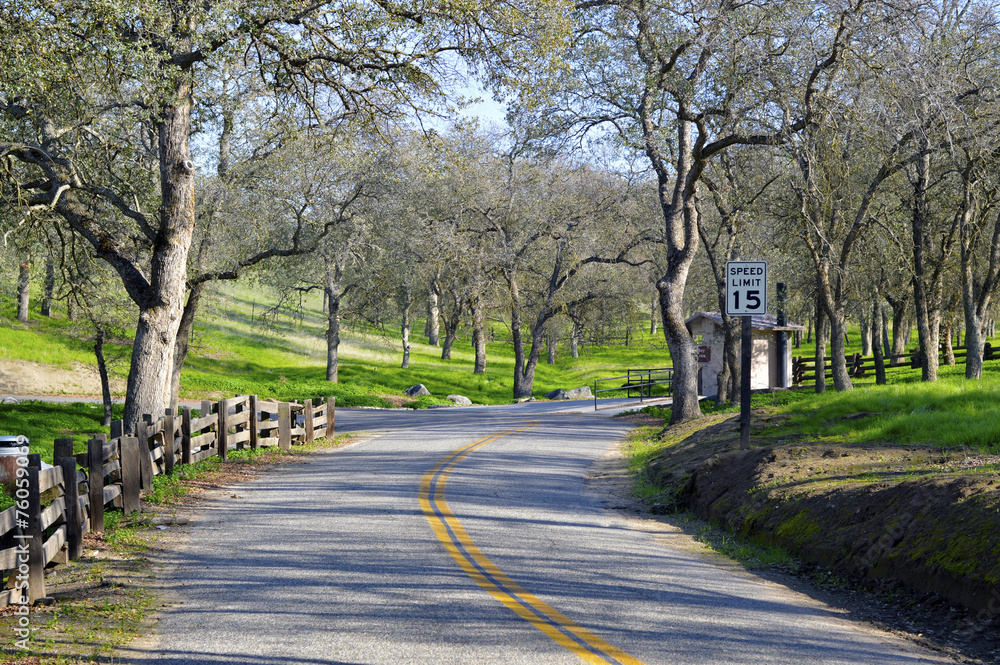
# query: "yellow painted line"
(449, 530)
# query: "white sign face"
(746, 288)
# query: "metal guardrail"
(641, 380)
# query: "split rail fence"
(804, 368)
(57, 506)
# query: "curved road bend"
(466, 536)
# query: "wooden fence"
(804, 368)
(56, 507)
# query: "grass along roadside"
(109, 596)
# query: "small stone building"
(706, 329)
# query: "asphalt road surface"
(469, 536)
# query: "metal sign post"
(746, 295)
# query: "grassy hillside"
(237, 348)
(287, 355)
(242, 346)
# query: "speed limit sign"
(746, 288)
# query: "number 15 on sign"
(746, 288)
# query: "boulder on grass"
(460, 400)
(582, 392)
(418, 390)
(559, 393)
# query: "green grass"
(950, 412)
(43, 422)
(53, 341)
(234, 352)
(747, 551)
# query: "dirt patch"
(915, 523)
(397, 401)
(20, 377)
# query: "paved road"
(468, 536)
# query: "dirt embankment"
(927, 518)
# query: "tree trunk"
(479, 336)
(838, 352)
(405, 326)
(820, 348)
(885, 330)
(451, 323)
(334, 274)
(928, 338)
(50, 286)
(551, 343)
(730, 377)
(974, 340)
(866, 335)
(976, 293)
(575, 336)
(183, 342)
(927, 333)
(876, 335)
(654, 318)
(522, 383)
(534, 354)
(949, 350)
(900, 325)
(23, 291)
(161, 304)
(102, 369)
(433, 326)
(831, 299)
(683, 353)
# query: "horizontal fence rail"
(804, 368)
(641, 381)
(55, 507)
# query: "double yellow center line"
(476, 565)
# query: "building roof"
(757, 322)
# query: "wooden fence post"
(331, 407)
(95, 481)
(63, 457)
(308, 412)
(145, 463)
(62, 448)
(206, 410)
(223, 425)
(240, 407)
(186, 435)
(128, 457)
(285, 425)
(168, 440)
(117, 429)
(35, 537)
(254, 422)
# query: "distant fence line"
(804, 368)
(59, 505)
